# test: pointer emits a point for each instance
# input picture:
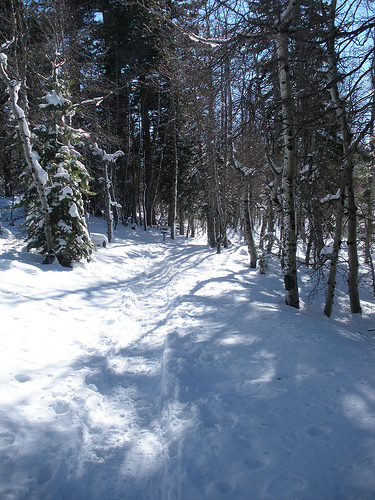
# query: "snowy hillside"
(162, 370)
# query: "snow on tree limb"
(54, 99)
(39, 175)
(6, 45)
(96, 100)
(23, 126)
(246, 171)
(212, 42)
(3, 59)
(104, 155)
(331, 197)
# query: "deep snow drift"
(162, 370)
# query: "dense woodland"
(254, 116)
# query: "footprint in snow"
(289, 485)
(61, 407)
(220, 487)
(317, 430)
(21, 378)
(254, 463)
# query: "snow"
(99, 239)
(66, 192)
(64, 226)
(24, 127)
(62, 172)
(331, 197)
(3, 59)
(54, 99)
(106, 157)
(211, 42)
(161, 370)
(246, 171)
(73, 211)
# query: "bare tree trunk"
(370, 177)
(288, 175)
(346, 190)
(335, 256)
(182, 223)
(107, 201)
(248, 233)
(175, 179)
(39, 175)
(355, 305)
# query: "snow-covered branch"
(104, 155)
(5, 46)
(211, 42)
(23, 126)
(39, 175)
(54, 99)
(96, 100)
(331, 197)
(246, 171)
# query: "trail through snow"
(162, 370)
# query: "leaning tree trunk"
(288, 174)
(39, 175)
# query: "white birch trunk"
(107, 201)
(288, 174)
(39, 175)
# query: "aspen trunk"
(335, 256)
(39, 175)
(248, 233)
(288, 174)
(107, 201)
(173, 211)
(346, 190)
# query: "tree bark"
(107, 201)
(248, 233)
(39, 175)
(173, 210)
(346, 190)
(288, 174)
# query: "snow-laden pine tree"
(55, 142)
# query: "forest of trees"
(256, 116)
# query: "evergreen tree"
(56, 141)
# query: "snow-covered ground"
(162, 370)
